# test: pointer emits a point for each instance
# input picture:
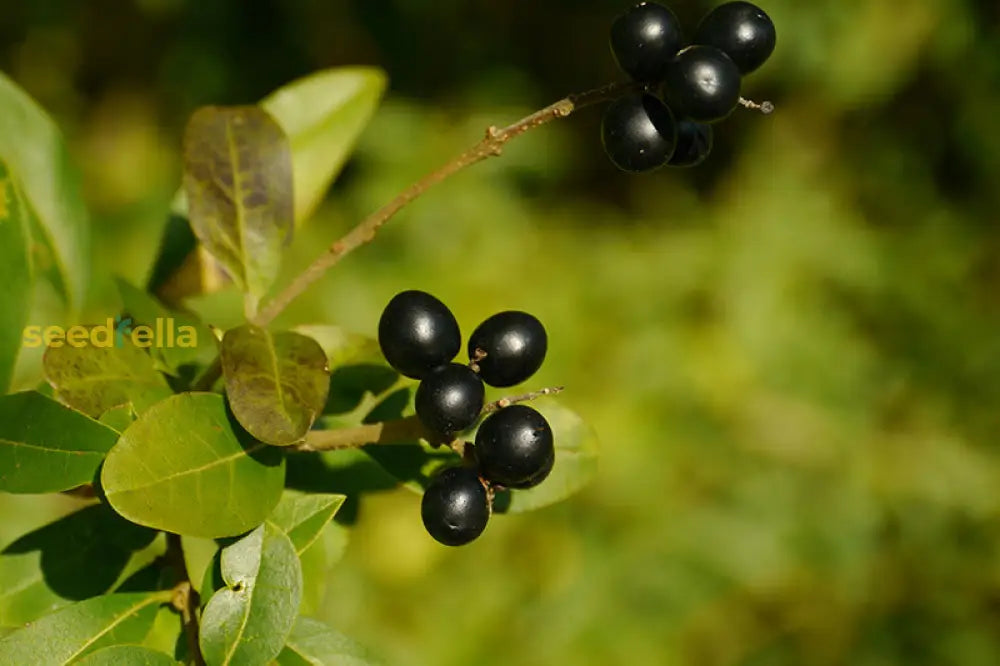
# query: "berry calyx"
(450, 398)
(417, 333)
(638, 132)
(514, 343)
(644, 39)
(742, 31)
(694, 143)
(514, 445)
(455, 507)
(702, 84)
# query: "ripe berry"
(638, 133)
(514, 445)
(539, 477)
(740, 30)
(702, 84)
(515, 344)
(450, 398)
(644, 39)
(694, 143)
(455, 508)
(417, 332)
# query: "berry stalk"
(490, 146)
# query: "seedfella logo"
(113, 333)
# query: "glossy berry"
(644, 39)
(450, 398)
(515, 344)
(638, 133)
(542, 474)
(702, 84)
(417, 333)
(455, 508)
(514, 445)
(740, 30)
(694, 143)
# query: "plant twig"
(490, 146)
(399, 431)
(497, 405)
(185, 598)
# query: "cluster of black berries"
(420, 337)
(700, 81)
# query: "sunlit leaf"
(276, 383)
(127, 655)
(48, 447)
(303, 517)
(198, 554)
(247, 621)
(41, 571)
(103, 370)
(167, 324)
(84, 627)
(312, 643)
(185, 466)
(35, 153)
(15, 274)
(323, 114)
(317, 562)
(238, 182)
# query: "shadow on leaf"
(83, 553)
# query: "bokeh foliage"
(790, 354)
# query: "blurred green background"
(790, 353)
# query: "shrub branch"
(490, 146)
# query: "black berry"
(455, 508)
(417, 333)
(638, 133)
(542, 474)
(644, 39)
(694, 143)
(515, 344)
(450, 398)
(702, 84)
(514, 445)
(742, 31)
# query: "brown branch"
(399, 431)
(185, 598)
(490, 146)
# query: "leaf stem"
(185, 598)
(490, 146)
(397, 431)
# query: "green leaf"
(276, 383)
(145, 309)
(118, 418)
(34, 151)
(575, 465)
(312, 643)
(238, 182)
(127, 655)
(185, 466)
(84, 627)
(41, 571)
(323, 114)
(303, 517)
(198, 555)
(104, 370)
(247, 621)
(317, 561)
(15, 274)
(47, 447)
